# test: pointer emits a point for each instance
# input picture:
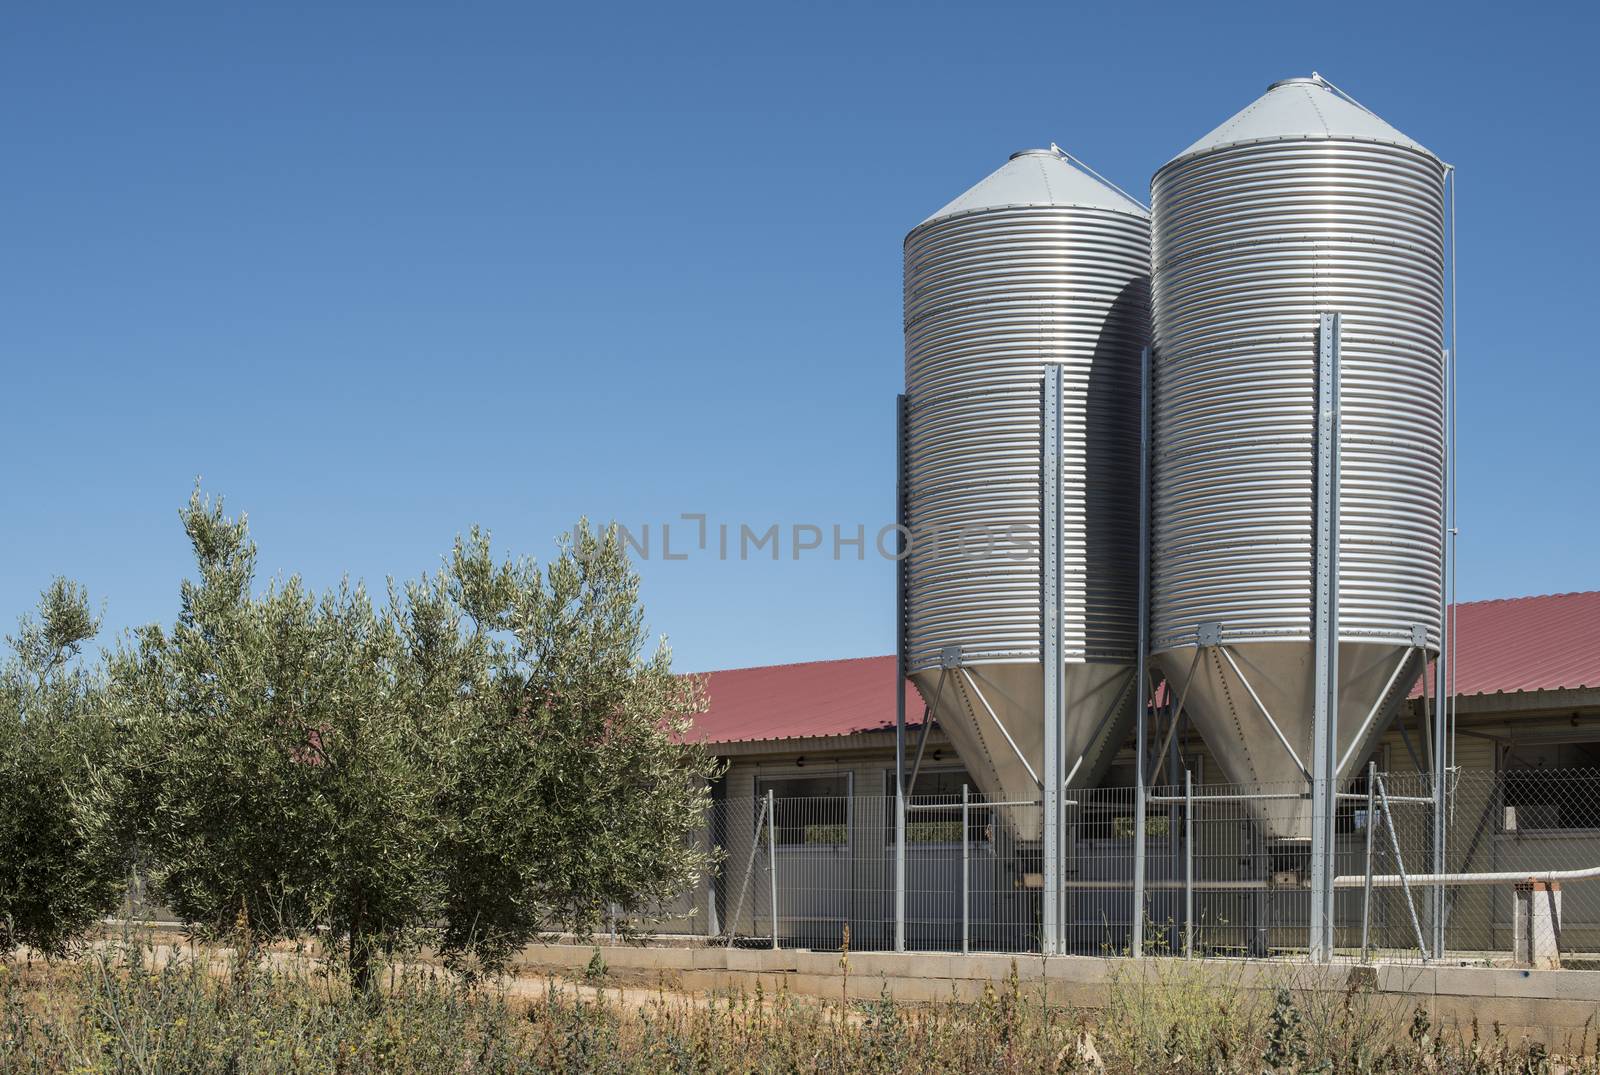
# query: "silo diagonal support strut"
(749, 868)
(1256, 698)
(1177, 711)
(927, 723)
(1100, 727)
(1400, 865)
(1377, 707)
(998, 723)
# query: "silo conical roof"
(1039, 177)
(1301, 108)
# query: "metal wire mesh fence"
(1226, 870)
(799, 871)
(1509, 825)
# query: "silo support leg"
(1142, 653)
(1325, 642)
(900, 678)
(1051, 655)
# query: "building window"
(808, 811)
(1551, 787)
(1350, 815)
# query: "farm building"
(820, 738)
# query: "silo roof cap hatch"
(1302, 108)
(1039, 177)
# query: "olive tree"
(571, 787)
(281, 785)
(490, 755)
(63, 860)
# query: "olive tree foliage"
(63, 853)
(572, 789)
(489, 755)
(281, 786)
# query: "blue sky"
(378, 272)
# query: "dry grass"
(138, 1009)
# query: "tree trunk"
(360, 951)
(360, 966)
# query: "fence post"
(708, 881)
(1366, 887)
(772, 865)
(1438, 835)
(1188, 864)
(966, 871)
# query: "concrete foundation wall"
(1560, 1008)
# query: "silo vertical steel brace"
(1141, 697)
(902, 540)
(1444, 689)
(1051, 932)
(1442, 699)
(1325, 634)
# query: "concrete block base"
(1536, 925)
(1557, 1007)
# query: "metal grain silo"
(1038, 266)
(1304, 204)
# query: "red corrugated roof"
(1508, 646)
(1545, 643)
(789, 701)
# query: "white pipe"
(1504, 877)
(1173, 886)
(1357, 880)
